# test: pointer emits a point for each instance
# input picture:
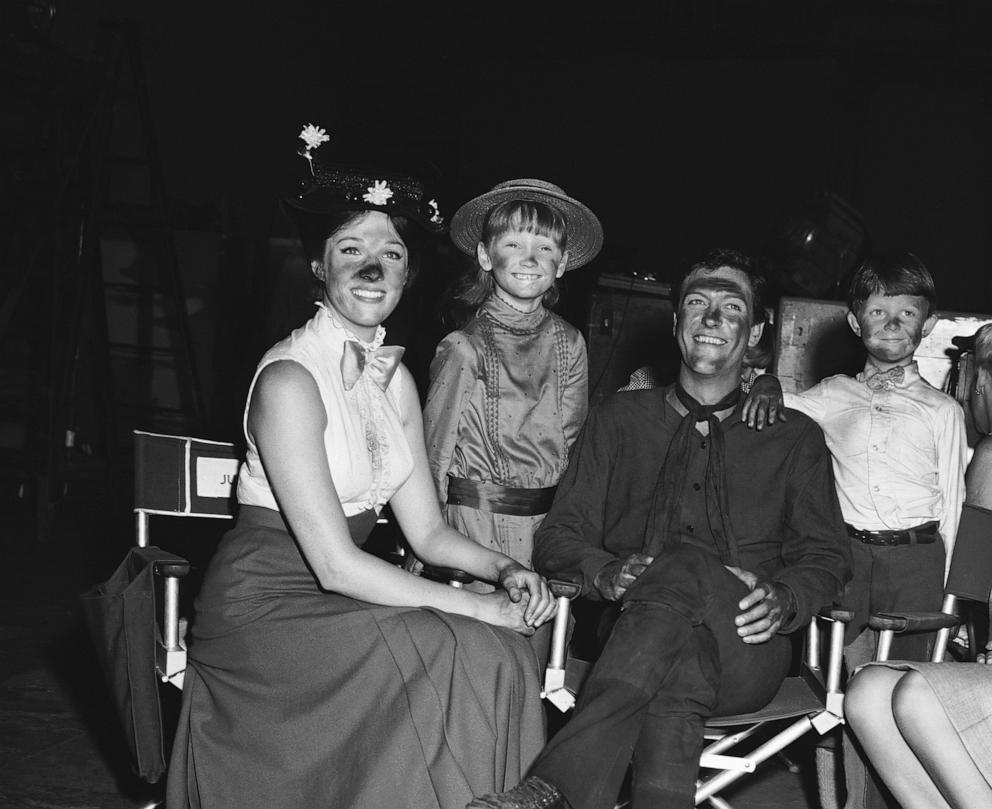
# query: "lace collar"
(338, 322)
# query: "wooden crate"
(814, 341)
(629, 326)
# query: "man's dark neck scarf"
(661, 528)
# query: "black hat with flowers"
(334, 187)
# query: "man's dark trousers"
(674, 658)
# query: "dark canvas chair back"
(969, 579)
(182, 477)
(133, 617)
(970, 576)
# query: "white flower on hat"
(436, 217)
(378, 193)
(312, 136)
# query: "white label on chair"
(215, 476)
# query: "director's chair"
(135, 618)
(179, 476)
(969, 579)
(809, 701)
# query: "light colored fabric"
(508, 396)
(979, 477)
(898, 453)
(365, 442)
(964, 691)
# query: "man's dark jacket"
(783, 506)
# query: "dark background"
(684, 125)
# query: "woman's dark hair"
(723, 257)
(316, 229)
(512, 215)
(892, 274)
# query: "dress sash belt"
(498, 499)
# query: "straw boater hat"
(331, 188)
(584, 234)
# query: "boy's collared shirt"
(899, 452)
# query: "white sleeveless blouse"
(366, 447)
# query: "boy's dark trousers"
(904, 578)
(673, 659)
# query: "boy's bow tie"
(380, 364)
(885, 380)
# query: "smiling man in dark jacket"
(716, 540)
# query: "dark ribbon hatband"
(661, 528)
(497, 499)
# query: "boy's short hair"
(892, 274)
(983, 347)
(735, 260)
(526, 215)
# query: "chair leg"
(827, 774)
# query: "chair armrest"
(564, 589)
(449, 575)
(175, 568)
(912, 621)
(171, 653)
(835, 613)
(164, 563)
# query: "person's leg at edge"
(934, 740)
(869, 709)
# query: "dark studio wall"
(684, 125)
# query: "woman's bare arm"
(286, 419)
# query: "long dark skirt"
(295, 697)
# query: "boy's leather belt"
(920, 535)
(500, 499)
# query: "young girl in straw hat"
(508, 391)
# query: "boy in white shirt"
(899, 453)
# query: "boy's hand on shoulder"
(764, 404)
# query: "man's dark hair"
(734, 260)
(892, 274)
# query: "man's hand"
(764, 404)
(764, 609)
(614, 579)
(521, 583)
